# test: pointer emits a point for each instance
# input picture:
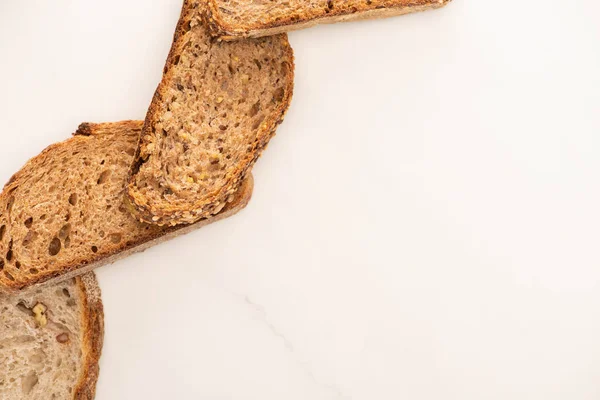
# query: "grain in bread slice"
(212, 115)
(235, 19)
(63, 213)
(51, 341)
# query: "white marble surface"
(425, 225)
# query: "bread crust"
(83, 265)
(168, 214)
(93, 336)
(224, 31)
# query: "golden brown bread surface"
(63, 213)
(212, 115)
(234, 19)
(51, 340)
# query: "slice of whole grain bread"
(64, 213)
(212, 115)
(51, 341)
(234, 19)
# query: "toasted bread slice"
(235, 19)
(63, 214)
(214, 112)
(51, 341)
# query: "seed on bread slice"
(212, 115)
(230, 20)
(64, 213)
(51, 341)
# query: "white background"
(425, 225)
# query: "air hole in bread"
(73, 199)
(258, 122)
(187, 26)
(17, 265)
(43, 217)
(102, 163)
(329, 6)
(34, 271)
(65, 291)
(67, 242)
(54, 247)
(116, 238)
(254, 110)
(64, 232)
(29, 238)
(9, 255)
(9, 276)
(9, 204)
(94, 249)
(103, 177)
(102, 234)
(29, 222)
(130, 151)
(2, 232)
(279, 95)
(1, 264)
(28, 383)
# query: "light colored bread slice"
(234, 19)
(51, 340)
(64, 214)
(214, 112)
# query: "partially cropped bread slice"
(64, 212)
(234, 19)
(214, 112)
(51, 341)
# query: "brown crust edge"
(166, 217)
(223, 31)
(93, 336)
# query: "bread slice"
(51, 340)
(234, 19)
(214, 112)
(63, 214)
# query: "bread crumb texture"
(212, 115)
(64, 209)
(42, 361)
